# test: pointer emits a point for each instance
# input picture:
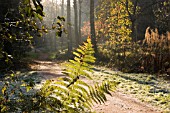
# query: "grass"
(52, 55)
(59, 55)
(145, 87)
(32, 55)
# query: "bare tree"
(92, 26)
(62, 14)
(69, 28)
(62, 8)
(80, 11)
(76, 23)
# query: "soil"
(117, 103)
(123, 103)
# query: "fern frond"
(98, 94)
(72, 94)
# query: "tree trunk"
(133, 31)
(79, 29)
(76, 23)
(52, 36)
(62, 14)
(69, 28)
(62, 8)
(92, 26)
(132, 16)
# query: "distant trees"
(49, 41)
(140, 14)
(73, 25)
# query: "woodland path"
(117, 103)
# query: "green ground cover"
(145, 87)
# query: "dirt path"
(117, 103)
(48, 69)
(122, 103)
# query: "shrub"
(152, 56)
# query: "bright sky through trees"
(59, 1)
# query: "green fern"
(71, 94)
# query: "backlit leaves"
(72, 93)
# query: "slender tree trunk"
(69, 28)
(133, 30)
(51, 33)
(76, 23)
(62, 14)
(80, 2)
(92, 26)
(62, 8)
(55, 40)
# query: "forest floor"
(131, 96)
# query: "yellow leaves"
(88, 39)
(17, 23)
(4, 89)
(76, 54)
(118, 24)
(44, 29)
(4, 108)
(53, 27)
